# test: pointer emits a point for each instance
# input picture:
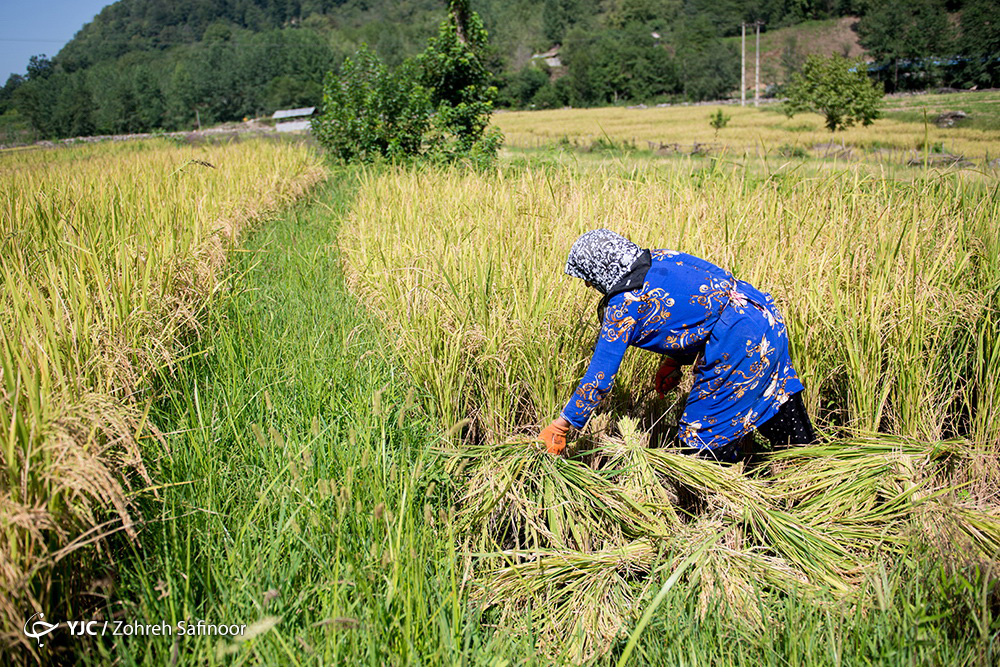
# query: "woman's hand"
(668, 376)
(554, 436)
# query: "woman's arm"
(616, 334)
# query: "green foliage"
(903, 36)
(14, 81)
(710, 68)
(519, 89)
(152, 25)
(235, 74)
(651, 14)
(718, 120)
(453, 69)
(791, 58)
(551, 96)
(558, 16)
(980, 44)
(837, 88)
(437, 104)
(369, 111)
(789, 150)
(223, 61)
(616, 65)
(726, 15)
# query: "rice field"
(109, 255)
(311, 409)
(900, 136)
(888, 282)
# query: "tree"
(617, 64)
(557, 17)
(454, 70)
(370, 111)
(39, 67)
(709, 68)
(522, 86)
(718, 120)
(837, 88)
(76, 108)
(980, 43)
(14, 81)
(791, 58)
(903, 36)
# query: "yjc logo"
(36, 633)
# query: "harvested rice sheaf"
(570, 548)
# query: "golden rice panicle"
(104, 280)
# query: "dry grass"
(758, 132)
(824, 37)
(108, 254)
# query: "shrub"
(549, 96)
(788, 150)
(437, 105)
(369, 111)
(718, 120)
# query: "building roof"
(293, 113)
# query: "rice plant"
(108, 257)
(816, 523)
(887, 281)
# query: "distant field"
(983, 109)
(900, 136)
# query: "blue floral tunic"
(697, 313)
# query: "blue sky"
(43, 26)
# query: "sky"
(42, 26)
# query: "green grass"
(927, 616)
(983, 109)
(292, 464)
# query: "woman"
(690, 311)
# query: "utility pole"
(743, 67)
(756, 69)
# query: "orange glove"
(554, 436)
(667, 377)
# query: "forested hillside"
(149, 64)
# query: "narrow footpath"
(299, 495)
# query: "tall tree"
(40, 67)
(980, 43)
(454, 69)
(558, 16)
(709, 68)
(903, 36)
(370, 110)
(76, 108)
(14, 81)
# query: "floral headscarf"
(602, 258)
